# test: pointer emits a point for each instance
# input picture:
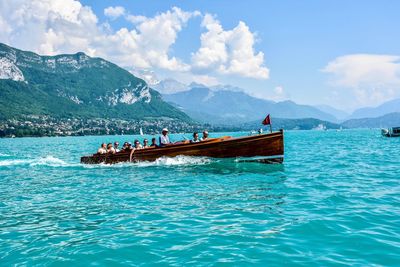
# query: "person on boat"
(153, 142)
(128, 146)
(110, 148)
(102, 149)
(145, 143)
(138, 145)
(164, 138)
(124, 146)
(205, 136)
(195, 138)
(116, 144)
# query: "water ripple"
(335, 201)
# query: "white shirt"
(101, 151)
(164, 139)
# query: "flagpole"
(270, 124)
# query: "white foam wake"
(44, 161)
(163, 161)
(179, 160)
(12, 162)
(49, 161)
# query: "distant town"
(38, 126)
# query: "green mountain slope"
(75, 86)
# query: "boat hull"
(391, 132)
(267, 148)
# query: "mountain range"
(231, 107)
(391, 106)
(75, 86)
(384, 121)
(79, 86)
(227, 105)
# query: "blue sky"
(341, 53)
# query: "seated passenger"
(110, 148)
(164, 138)
(195, 138)
(138, 145)
(116, 144)
(205, 136)
(145, 143)
(153, 142)
(125, 145)
(102, 149)
(128, 146)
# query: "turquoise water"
(334, 201)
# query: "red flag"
(267, 120)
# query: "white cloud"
(279, 94)
(114, 12)
(229, 52)
(48, 27)
(372, 78)
(66, 26)
(135, 19)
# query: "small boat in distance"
(264, 148)
(320, 127)
(391, 132)
(141, 131)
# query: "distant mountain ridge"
(372, 112)
(339, 114)
(221, 106)
(75, 86)
(387, 120)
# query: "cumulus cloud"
(229, 52)
(52, 27)
(148, 44)
(372, 78)
(66, 26)
(114, 12)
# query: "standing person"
(195, 138)
(153, 142)
(205, 136)
(164, 138)
(102, 149)
(116, 144)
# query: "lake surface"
(334, 201)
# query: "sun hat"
(165, 130)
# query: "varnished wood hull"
(268, 148)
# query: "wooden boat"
(265, 148)
(391, 132)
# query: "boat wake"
(179, 160)
(52, 161)
(43, 161)
(163, 161)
